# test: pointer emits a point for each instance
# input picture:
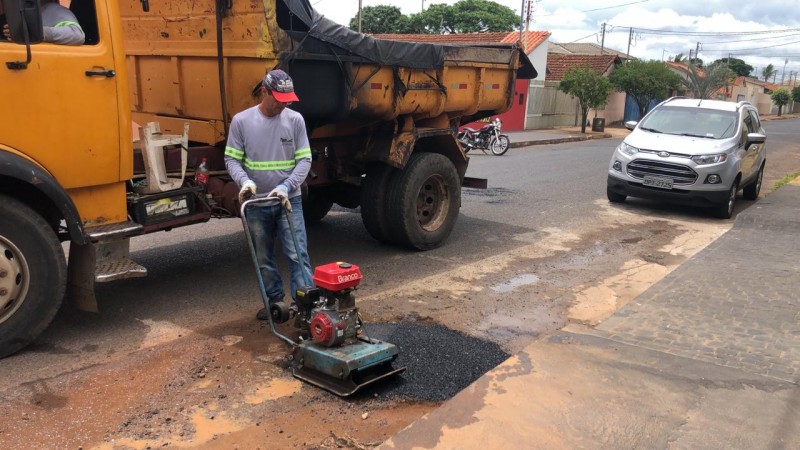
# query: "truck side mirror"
(24, 20)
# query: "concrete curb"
(559, 140)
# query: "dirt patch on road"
(229, 387)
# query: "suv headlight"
(702, 160)
(627, 149)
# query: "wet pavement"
(708, 357)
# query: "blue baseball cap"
(281, 85)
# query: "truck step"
(118, 269)
(113, 231)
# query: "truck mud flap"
(475, 183)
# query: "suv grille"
(680, 174)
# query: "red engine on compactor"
(327, 314)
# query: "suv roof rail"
(743, 103)
(677, 97)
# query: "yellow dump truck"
(98, 142)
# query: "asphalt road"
(202, 274)
(533, 252)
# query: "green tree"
(737, 65)
(705, 82)
(680, 58)
(644, 81)
(796, 94)
(696, 61)
(768, 72)
(781, 97)
(467, 16)
(588, 87)
(383, 19)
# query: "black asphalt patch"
(439, 362)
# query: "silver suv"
(691, 151)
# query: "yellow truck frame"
(382, 133)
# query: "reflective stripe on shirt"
(234, 153)
(302, 153)
(67, 23)
(268, 165)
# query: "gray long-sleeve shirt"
(60, 25)
(268, 150)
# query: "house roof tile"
(586, 48)
(557, 64)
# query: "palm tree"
(705, 82)
(768, 72)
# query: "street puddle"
(275, 389)
(520, 280)
(207, 428)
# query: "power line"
(709, 33)
(751, 48)
(755, 39)
(587, 36)
(595, 9)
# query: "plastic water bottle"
(201, 173)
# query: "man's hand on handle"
(281, 194)
(248, 190)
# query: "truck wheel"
(33, 275)
(424, 200)
(373, 200)
(316, 208)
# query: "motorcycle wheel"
(464, 141)
(499, 145)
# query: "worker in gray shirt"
(60, 25)
(268, 152)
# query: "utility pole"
(662, 54)
(359, 16)
(630, 38)
(528, 16)
(697, 52)
(521, 21)
(783, 74)
(423, 6)
(603, 39)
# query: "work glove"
(248, 190)
(281, 194)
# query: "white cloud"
(576, 21)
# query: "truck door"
(62, 110)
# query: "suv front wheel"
(725, 210)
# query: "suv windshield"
(699, 122)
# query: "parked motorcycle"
(487, 138)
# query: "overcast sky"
(581, 21)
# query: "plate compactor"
(332, 349)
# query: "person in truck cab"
(268, 151)
(60, 25)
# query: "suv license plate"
(659, 182)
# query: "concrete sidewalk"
(708, 357)
(560, 135)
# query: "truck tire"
(33, 275)
(316, 208)
(374, 198)
(424, 200)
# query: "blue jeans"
(268, 222)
